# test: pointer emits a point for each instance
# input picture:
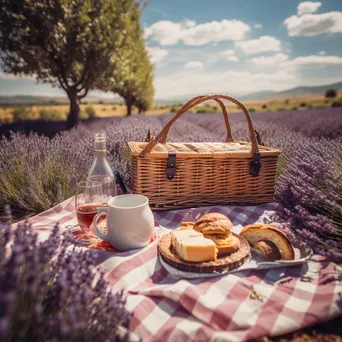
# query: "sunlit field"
(102, 110)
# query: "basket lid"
(216, 150)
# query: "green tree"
(22, 113)
(330, 93)
(68, 43)
(50, 114)
(144, 100)
(136, 88)
(143, 92)
(133, 79)
(90, 112)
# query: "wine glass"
(88, 198)
(108, 185)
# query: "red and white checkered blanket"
(233, 307)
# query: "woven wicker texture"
(213, 150)
(230, 262)
(206, 173)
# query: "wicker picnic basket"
(181, 175)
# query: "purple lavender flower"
(50, 291)
(310, 191)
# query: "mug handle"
(98, 233)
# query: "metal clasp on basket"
(171, 165)
(256, 164)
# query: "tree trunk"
(140, 111)
(129, 104)
(73, 117)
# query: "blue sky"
(234, 47)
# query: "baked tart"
(256, 233)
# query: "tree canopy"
(330, 93)
(144, 99)
(72, 44)
(133, 80)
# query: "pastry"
(268, 249)
(186, 225)
(193, 246)
(217, 227)
(213, 223)
(225, 244)
(263, 232)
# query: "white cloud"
(314, 24)
(164, 31)
(270, 60)
(263, 44)
(322, 53)
(189, 23)
(308, 7)
(229, 52)
(156, 54)
(215, 31)
(208, 56)
(313, 61)
(258, 26)
(193, 65)
(188, 82)
(232, 59)
(301, 62)
(229, 55)
(169, 33)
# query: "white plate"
(301, 255)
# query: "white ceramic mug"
(130, 222)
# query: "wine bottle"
(100, 169)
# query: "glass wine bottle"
(100, 170)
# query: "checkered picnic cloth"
(233, 307)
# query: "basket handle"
(162, 136)
(194, 102)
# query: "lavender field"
(37, 172)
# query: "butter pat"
(191, 245)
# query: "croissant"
(256, 233)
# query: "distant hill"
(260, 95)
(48, 100)
(301, 91)
(31, 100)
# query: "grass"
(102, 110)
(281, 165)
(110, 110)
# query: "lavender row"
(36, 173)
